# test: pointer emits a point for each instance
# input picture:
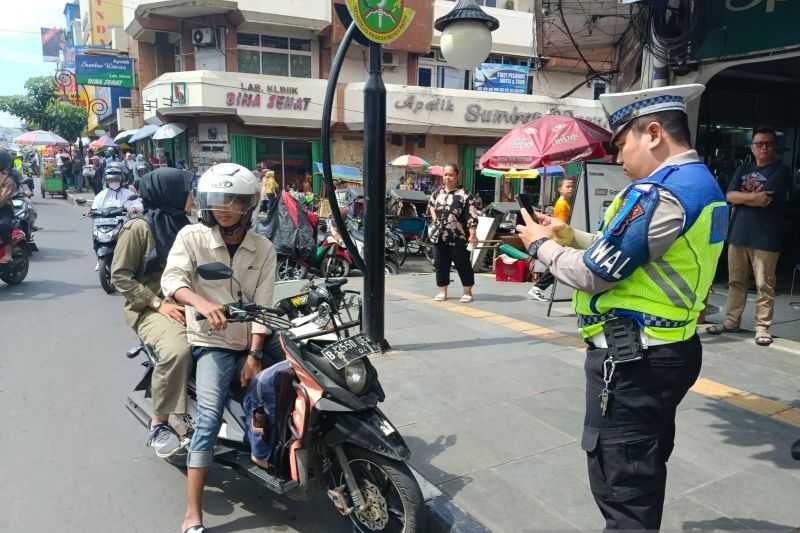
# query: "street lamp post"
(466, 42)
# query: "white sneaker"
(537, 294)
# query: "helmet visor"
(221, 201)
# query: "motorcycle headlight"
(323, 316)
(103, 236)
(355, 375)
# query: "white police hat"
(622, 108)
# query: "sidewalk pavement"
(489, 397)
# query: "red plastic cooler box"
(509, 269)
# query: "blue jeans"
(217, 368)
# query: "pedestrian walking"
(640, 285)
(454, 218)
(561, 211)
(758, 194)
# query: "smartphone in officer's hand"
(526, 202)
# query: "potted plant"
(509, 4)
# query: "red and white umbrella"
(549, 140)
(103, 142)
(41, 138)
(410, 161)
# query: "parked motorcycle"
(107, 224)
(331, 435)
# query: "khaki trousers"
(172, 372)
(741, 262)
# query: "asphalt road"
(71, 456)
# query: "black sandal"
(718, 329)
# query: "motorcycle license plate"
(344, 352)
(297, 301)
(105, 221)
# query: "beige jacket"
(253, 266)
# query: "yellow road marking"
(753, 403)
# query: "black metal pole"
(375, 196)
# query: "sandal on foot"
(467, 298)
(765, 339)
(717, 329)
(199, 528)
(440, 297)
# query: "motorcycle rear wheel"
(19, 274)
(335, 267)
(104, 272)
(394, 499)
(289, 269)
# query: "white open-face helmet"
(227, 186)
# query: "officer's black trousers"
(627, 450)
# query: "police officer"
(640, 285)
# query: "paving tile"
(478, 439)
(767, 497)
(501, 507)
(562, 408)
(685, 514)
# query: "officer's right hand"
(761, 199)
(214, 313)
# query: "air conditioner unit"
(124, 102)
(204, 37)
(391, 60)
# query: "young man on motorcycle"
(8, 186)
(139, 260)
(227, 195)
(114, 195)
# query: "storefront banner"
(105, 71)
(499, 78)
(473, 113)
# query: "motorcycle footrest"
(241, 462)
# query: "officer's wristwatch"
(155, 303)
(256, 354)
(533, 249)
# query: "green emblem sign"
(381, 21)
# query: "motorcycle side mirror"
(215, 271)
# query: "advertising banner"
(498, 78)
(53, 41)
(105, 71)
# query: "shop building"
(246, 83)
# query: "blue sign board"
(498, 78)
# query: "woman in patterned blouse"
(454, 214)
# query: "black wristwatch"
(533, 249)
(256, 354)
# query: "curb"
(444, 516)
(447, 517)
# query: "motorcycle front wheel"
(393, 498)
(104, 272)
(335, 267)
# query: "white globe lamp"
(466, 35)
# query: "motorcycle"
(331, 435)
(108, 222)
(25, 215)
(15, 271)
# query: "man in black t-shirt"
(758, 194)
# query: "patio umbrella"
(409, 161)
(103, 142)
(124, 135)
(143, 133)
(549, 140)
(168, 131)
(41, 138)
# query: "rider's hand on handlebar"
(173, 311)
(214, 313)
